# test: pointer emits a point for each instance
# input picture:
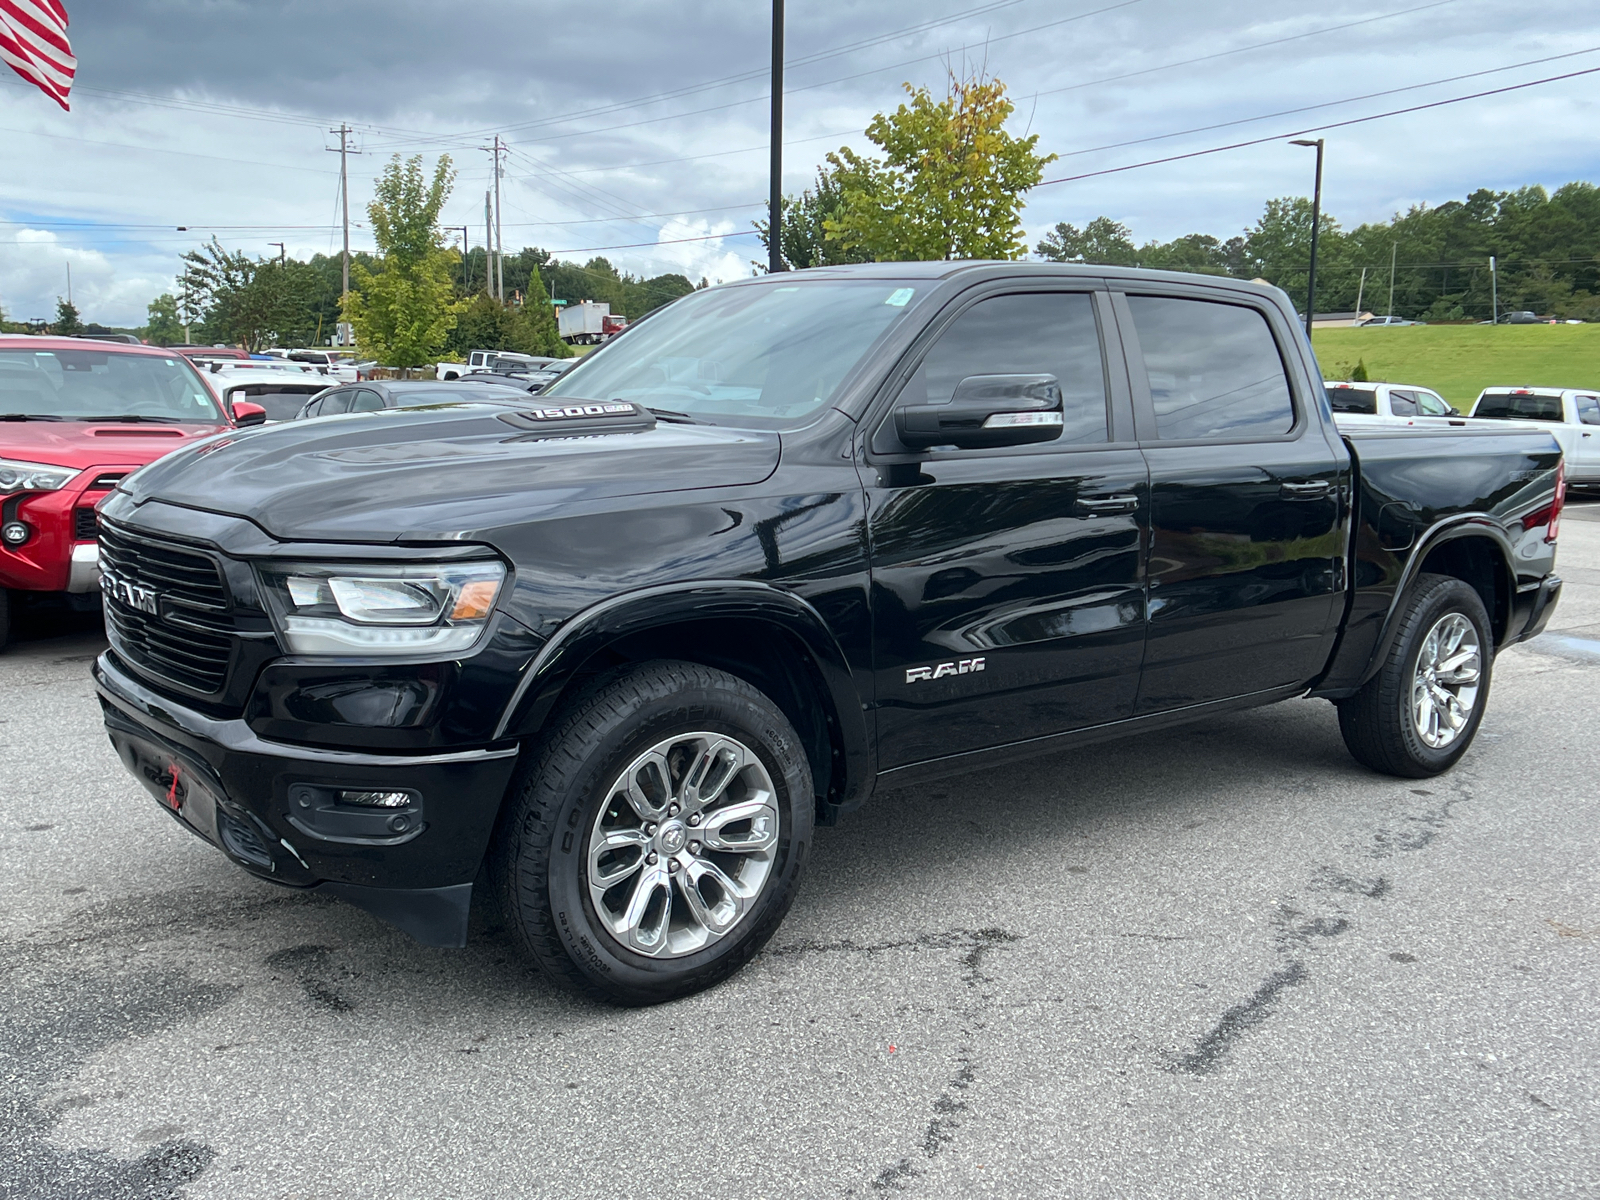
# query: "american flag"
(33, 43)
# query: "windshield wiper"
(29, 417)
(675, 417)
(136, 418)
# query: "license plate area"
(177, 783)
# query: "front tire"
(656, 839)
(1418, 715)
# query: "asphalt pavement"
(1222, 960)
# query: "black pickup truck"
(616, 651)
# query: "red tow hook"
(172, 791)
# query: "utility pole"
(282, 253)
(1393, 252)
(1360, 291)
(775, 182)
(1316, 222)
(1494, 293)
(344, 199)
(488, 246)
(69, 283)
(496, 244)
(499, 234)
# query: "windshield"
(83, 385)
(766, 356)
(1353, 400)
(1504, 406)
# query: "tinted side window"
(1433, 406)
(1402, 404)
(1214, 369)
(366, 401)
(1043, 333)
(1588, 409)
(337, 402)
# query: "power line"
(1327, 104)
(1154, 162)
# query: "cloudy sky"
(636, 126)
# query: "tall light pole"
(282, 253)
(775, 184)
(1316, 223)
(1494, 293)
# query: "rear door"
(1247, 490)
(1008, 584)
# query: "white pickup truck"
(1572, 415)
(1389, 405)
(492, 360)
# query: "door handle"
(1101, 506)
(1312, 489)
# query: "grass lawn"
(1459, 361)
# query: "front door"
(1248, 521)
(1008, 585)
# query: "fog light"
(376, 799)
(14, 533)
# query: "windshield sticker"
(900, 296)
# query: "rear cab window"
(1346, 398)
(1519, 406)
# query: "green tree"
(404, 307)
(164, 328)
(1102, 241)
(950, 183)
(803, 236)
(67, 322)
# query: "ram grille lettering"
(143, 599)
(962, 666)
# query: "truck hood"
(450, 471)
(86, 444)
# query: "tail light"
(1558, 503)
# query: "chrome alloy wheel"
(683, 844)
(1444, 688)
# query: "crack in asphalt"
(949, 1106)
(1294, 931)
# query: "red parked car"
(75, 418)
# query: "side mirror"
(986, 411)
(246, 413)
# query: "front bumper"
(247, 796)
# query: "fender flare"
(1449, 529)
(591, 629)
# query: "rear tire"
(1418, 715)
(621, 767)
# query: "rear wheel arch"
(1473, 550)
(771, 639)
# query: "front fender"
(588, 632)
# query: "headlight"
(410, 609)
(32, 477)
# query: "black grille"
(83, 525)
(188, 642)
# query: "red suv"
(75, 418)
